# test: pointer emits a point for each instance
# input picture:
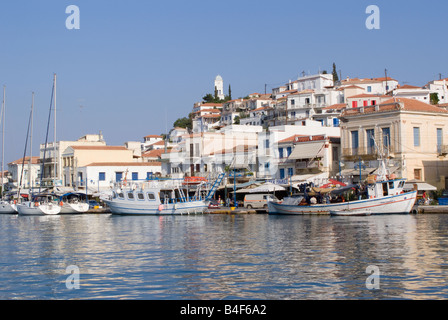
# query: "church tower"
(219, 87)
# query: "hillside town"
(314, 129)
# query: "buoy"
(160, 207)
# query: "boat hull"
(74, 208)
(7, 208)
(396, 204)
(181, 208)
(28, 209)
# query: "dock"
(430, 209)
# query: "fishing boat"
(383, 197)
(382, 193)
(41, 204)
(73, 203)
(160, 197)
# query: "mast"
(31, 145)
(3, 136)
(54, 143)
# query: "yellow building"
(410, 133)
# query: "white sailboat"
(73, 203)
(6, 207)
(42, 203)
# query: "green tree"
(335, 73)
(434, 98)
(230, 93)
(183, 123)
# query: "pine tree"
(230, 93)
(335, 74)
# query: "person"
(425, 198)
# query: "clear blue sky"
(136, 66)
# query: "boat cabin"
(381, 189)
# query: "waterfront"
(225, 257)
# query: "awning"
(422, 186)
(307, 151)
(355, 172)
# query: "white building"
(102, 176)
(372, 85)
(31, 173)
(219, 87)
(268, 144)
(440, 87)
(412, 92)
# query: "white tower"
(219, 87)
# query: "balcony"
(367, 153)
(442, 150)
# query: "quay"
(430, 209)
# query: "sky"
(133, 67)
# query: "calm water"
(224, 257)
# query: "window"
(266, 165)
(149, 174)
(140, 196)
(439, 140)
(417, 174)
(355, 142)
(130, 195)
(386, 136)
(416, 136)
(102, 176)
(370, 134)
(373, 102)
(118, 176)
(134, 176)
(151, 196)
(369, 88)
(280, 153)
(288, 151)
(354, 104)
(282, 173)
(290, 172)
(365, 103)
(266, 143)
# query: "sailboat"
(73, 203)
(42, 203)
(6, 207)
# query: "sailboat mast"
(3, 137)
(54, 143)
(31, 146)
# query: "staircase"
(215, 186)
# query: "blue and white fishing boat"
(160, 197)
(384, 195)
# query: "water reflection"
(223, 257)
